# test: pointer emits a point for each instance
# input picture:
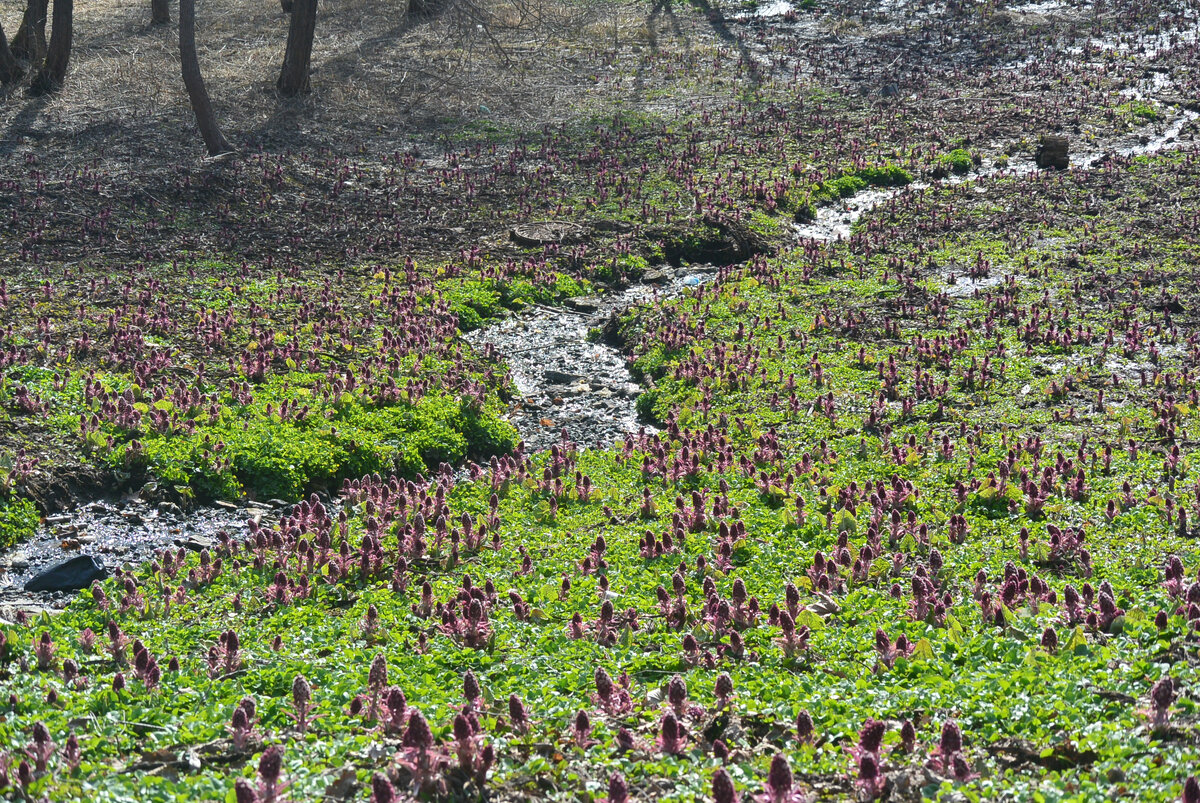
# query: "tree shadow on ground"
(720, 26)
(21, 125)
(717, 21)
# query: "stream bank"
(564, 381)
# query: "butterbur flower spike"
(908, 736)
(43, 747)
(677, 694)
(517, 714)
(672, 738)
(722, 787)
(301, 702)
(382, 790)
(962, 769)
(418, 735)
(244, 792)
(471, 688)
(618, 790)
(43, 650)
(871, 781)
(72, 753)
(779, 786)
(240, 728)
(378, 676)
(951, 741)
(804, 726)
(949, 746)
(581, 729)
(1162, 694)
(870, 737)
(724, 689)
(270, 768)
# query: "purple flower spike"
(418, 734)
(377, 678)
(618, 790)
(804, 726)
(951, 741)
(604, 684)
(908, 736)
(471, 688)
(779, 780)
(270, 765)
(244, 792)
(722, 787)
(724, 688)
(1162, 694)
(870, 737)
(382, 790)
(517, 713)
(582, 728)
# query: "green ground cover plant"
(871, 555)
(913, 515)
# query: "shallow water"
(567, 381)
(117, 532)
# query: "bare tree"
(29, 42)
(54, 69)
(160, 12)
(293, 78)
(206, 120)
(10, 70)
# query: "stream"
(564, 380)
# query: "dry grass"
(378, 73)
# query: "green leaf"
(810, 620)
(1077, 640)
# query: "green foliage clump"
(645, 405)
(848, 184)
(18, 520)
(630, 266)
(1141, 112)
(958, 160)
(885, 176)
(840, 187)
(250, 449)
(473, 301)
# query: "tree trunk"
(206, 120)
(160, 12)
(293, 78)
(10, 70)
(54, 69)
(286, 5)
(29, 43)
